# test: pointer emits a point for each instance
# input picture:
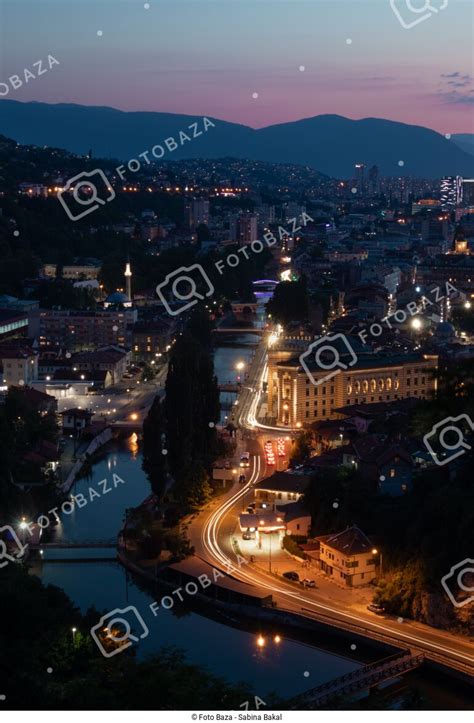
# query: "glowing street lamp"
(260, 641)
(416, 324)
(376, 552)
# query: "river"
(226, 648)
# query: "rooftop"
(350, 542)
(284, 482)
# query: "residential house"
(76, 420)
(385, 462)
(20, 365)
(348, 557)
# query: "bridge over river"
(358, 680)
(66, 547)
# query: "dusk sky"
(210, 58)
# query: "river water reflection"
(287, 667)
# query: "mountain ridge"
(330, 143)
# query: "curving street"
(212, 531)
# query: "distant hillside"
(329, 143)
(465, 141)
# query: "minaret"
(128, 280)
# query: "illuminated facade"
(451, 192)
(293, 400)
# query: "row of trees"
(179, 432)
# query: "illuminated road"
(211, 534)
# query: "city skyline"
(319, 59)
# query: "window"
(392, 473)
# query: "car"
(252, 506)
(245, 459)
(247, 535)
(377, 609)
(242, 478)
(308, 583)
(291, 576)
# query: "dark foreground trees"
(35, 636)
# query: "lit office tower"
(451, 192)
(468, 192)
(197, 211)
(374, 180)
(359, 177)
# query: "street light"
(74, 630)
(260, 641)
(376, 552)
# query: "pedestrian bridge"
(107, 551)
(358, 680)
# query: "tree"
(301, 448)
(289, 302)
(154, 461)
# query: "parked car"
(250, 510)
(291, 576)
(377, 609)
(308, 583)
(252, 506)
(247, 535)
